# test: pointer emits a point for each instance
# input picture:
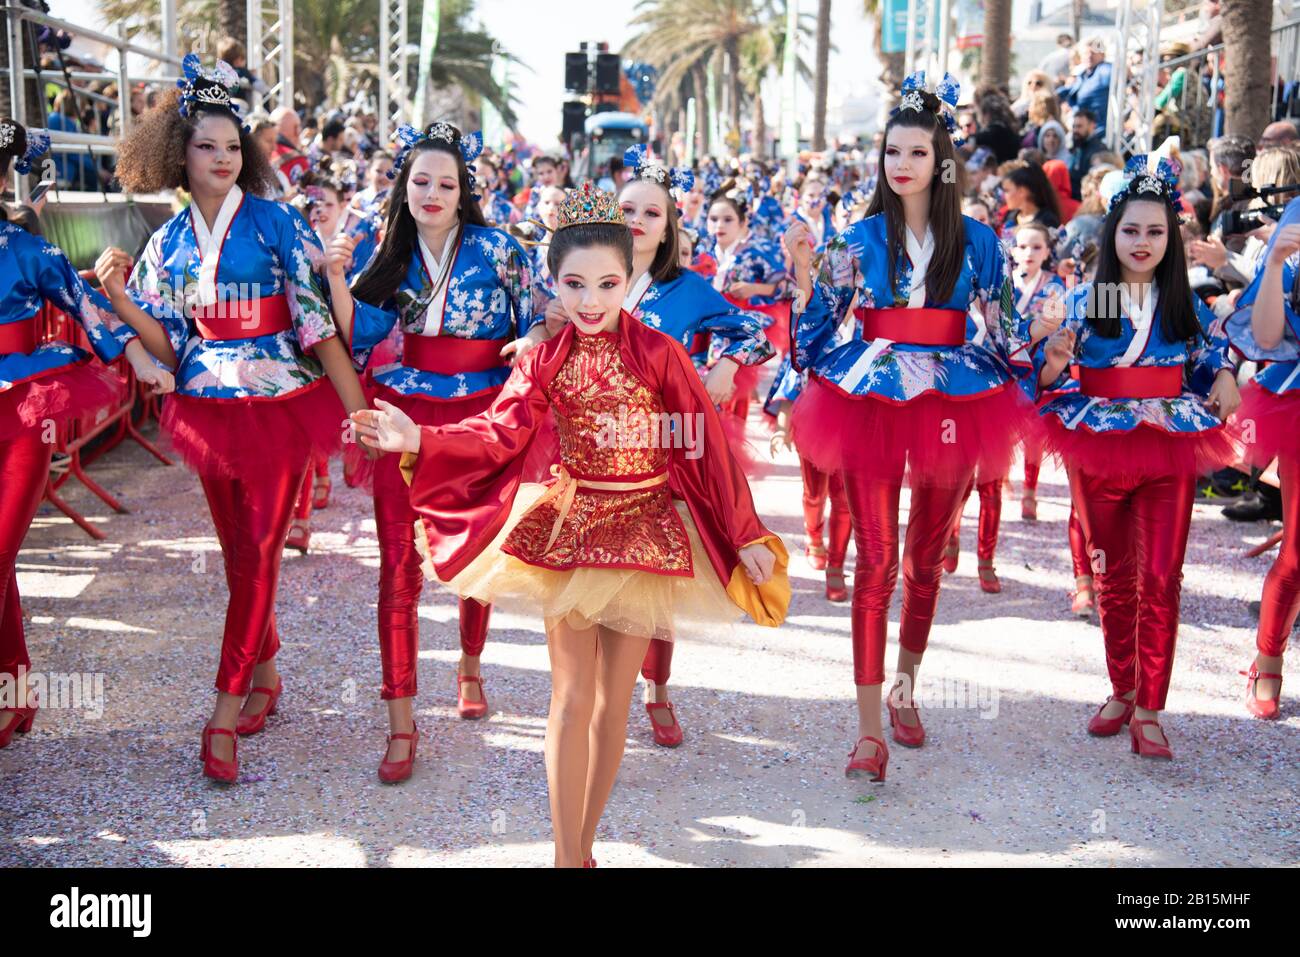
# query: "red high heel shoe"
(1100, 727)
(19, 725)
(951, 552)
(905, 735)
(589, 862)
(227, 772)
(299, 536)
(666, 735)
(393, 772)
(989, 582)
(255, 723)
(321, 492)
(1147, 748)
(816, 555)
(836, 588)
(872, 768)
(470, 710)
(1260, 708)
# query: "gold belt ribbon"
(565, 487)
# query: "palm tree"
(823, 69)
(232, 18)
(995, 64)
(1246, 64)
(895, 64)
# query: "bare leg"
(401, 720)
(618, 659)
(224, 715)
(869, 724)
(573, 654)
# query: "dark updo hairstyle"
(735, 200)
(388, 267)
(586, 235)
(665, 267)
(1178, 319)
(15, 150)
(151, 157)
(945, 202)
(1032, 177)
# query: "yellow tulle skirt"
(632, 601)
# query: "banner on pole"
(428, 43)
(893, 38)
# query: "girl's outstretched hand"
(759, 562)
(387, 428)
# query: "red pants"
(817, 487)
(251, 520)
(990, 516)
(307, 494)
(1078, 545)
(874, 507)
(1137, 531)
(24, 467)
(1033, 460)
(400, 578)
(1281, 598)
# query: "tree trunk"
(760, 124)
(733, 85)
(822, 78)
(232, 20)
(1247, 66)
(995, 65)
(702, 109)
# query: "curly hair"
(152, 155)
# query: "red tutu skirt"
(245, 438)
(58, 397)
(1267, 425)
(1146, 451)
(936, 439)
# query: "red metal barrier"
(75, 434)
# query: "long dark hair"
(945, 204)
(391, 261)
(1178, 319)
(665, 266)
(1032, 177)
(586, 235)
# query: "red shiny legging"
(251, 517)
(307, 494)
(990, 516)
(400, 581)
(1078, 545)
(1137, 530)
(24, 466)
(1280, 600)
(1033, 461)
(874, 507)
(817, 487)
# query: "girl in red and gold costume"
(648, 525)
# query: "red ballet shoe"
(251, 724)
(907, 736)
(816, 556)
(321, 492)
(589, 862)
(836, 589)
(1029, 506)
(20, 724)
(951, 552)
(470, 710)
(227, 772)
(1100, 727)
(299, 536)
(666, 735)
(988, 577)
(394, 772)
(1084, 601)
(872, 768)
(1264, 708)
(1145, 747)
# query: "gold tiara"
(588, 206)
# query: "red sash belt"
(1132, 382)
(450, 355)
(19, 336)
(243, 318)
(917, 327)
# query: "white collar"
(1141, 318)
(638, 290)
(920, 254)
(210, 240)
(437, 265)
(1027, 294)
